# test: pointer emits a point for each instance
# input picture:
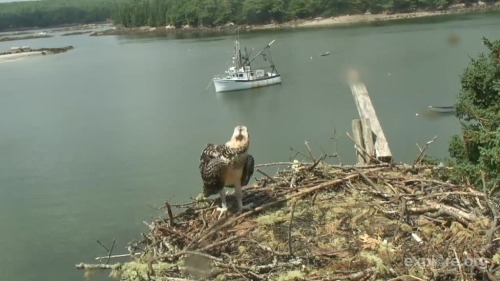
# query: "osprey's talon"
(222, 210)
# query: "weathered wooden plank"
(366, 110)
(356, 134)
(368, 142)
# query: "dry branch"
(422, 151)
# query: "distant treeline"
(134, 13)
(45, 13)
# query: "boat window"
(241, 75)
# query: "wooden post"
(368, 139)
(366, 110)
(356, 134)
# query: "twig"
(446, 194)
(422, 151)
(249, 270)
(173, 231)
(208, 247)
(300, 153)
(363, 150)
(102, 245)
(403, 277)
(352, 276)
(290, 248)
(170, 279)
(493, 190)
(267, 248)
(402, 216)
(226, 241)
(267, 176)
(317, 162)
(368, 180)
(306, 164)
(462, 275)
(281, 164)
(97, 266)
(335, 140)
(453, 212)
(194, 253)
(117, 256)
(109, 250)
(309, 151)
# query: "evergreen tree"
(476, 153)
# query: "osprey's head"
(240, 138)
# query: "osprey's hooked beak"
(240, 136)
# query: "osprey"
(228, 165)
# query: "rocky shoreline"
(25, 51)
(332, 21)
(24, 37)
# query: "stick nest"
(324, 222)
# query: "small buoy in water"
(416, 114)
(311, 58)
(389, 74)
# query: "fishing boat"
(442, 109)
(241, 75)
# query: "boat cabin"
(242, 74)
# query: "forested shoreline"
(44, 13)
(177, 13)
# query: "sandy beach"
(28, 52)
(317, 22)
(364, 18)
(10, 57)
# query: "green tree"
(257, 11)
(477, 150)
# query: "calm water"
(91, 139)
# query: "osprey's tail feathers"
(247, 170)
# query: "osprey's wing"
(219, 151)
(247, 170)
(213, 169)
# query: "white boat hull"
(224, 85)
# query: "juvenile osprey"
(228, 165)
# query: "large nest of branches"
(321, 222)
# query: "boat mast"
(238, 52)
